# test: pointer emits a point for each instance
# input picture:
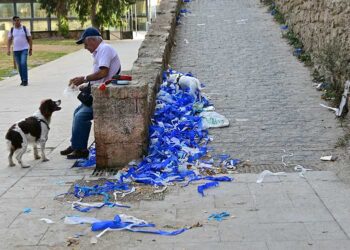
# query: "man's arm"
(101, 73)
(30, 41)
(9, 42)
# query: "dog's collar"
(178, 78)
(43, 121)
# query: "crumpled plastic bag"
(213, 119)
(74, 220)
(71, 92)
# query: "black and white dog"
(31, 130)
(186, 82)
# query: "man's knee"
(82, 117)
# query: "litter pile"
(178, 149)
(178, 140)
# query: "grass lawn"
(44, 50)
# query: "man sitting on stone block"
(106, 63)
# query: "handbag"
(85, 96)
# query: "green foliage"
(306, 59)
(317, 77)
(63, 27)
(279, 17)
(336, 67)
(293, 39)
(267, 2)
(101, 13)
(60, 9)
(343, 141)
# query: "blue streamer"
(83, 209)
(117, 223)
(218, 216)
(205, 186)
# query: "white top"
(105, 56)
(19, 38)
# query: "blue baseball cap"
(91, 31)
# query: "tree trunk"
(93, 14)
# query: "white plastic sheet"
(213, 119)
(70, 92)
(265, 173)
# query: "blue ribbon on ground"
(84, 209)
(205, 186)
(218, 216)
(117, 223)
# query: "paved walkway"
(267, 95)
(236, 49)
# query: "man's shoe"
(78, 154)
(67, 151)
(24, 83)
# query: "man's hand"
(30, 52)
(76, 81)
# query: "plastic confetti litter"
(218, 216)
(27, 210)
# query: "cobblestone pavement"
(252, 78)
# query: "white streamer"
(265, 173)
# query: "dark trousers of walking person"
(21, 60)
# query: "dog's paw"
(45, 159)
(25, 166)
(12, 165)
(37, 157)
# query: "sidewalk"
(285, 212)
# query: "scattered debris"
(207, 185)
(265, 173)
(133, 189)
(48, 221)
(328, 158)
(218, 216)
(286, 155)
(26, 210)
(186, 41)
(74, 220)
(72, 241)
(241, 21)
(323, 86)
(160, 190)
(301, 170)
(93, 240)
(86, 207)
(343, 106)
(213, 119)
(198, 224)
(241, 120)
(130, 223)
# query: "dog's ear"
(45, 108)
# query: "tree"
(101, 12)
(60, 9)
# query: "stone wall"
(318, 22)
(122, 113)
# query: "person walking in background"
(22, 46)
(106, 64)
